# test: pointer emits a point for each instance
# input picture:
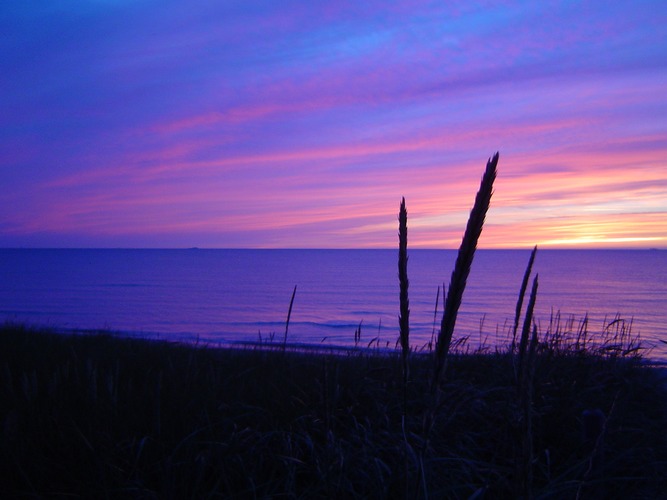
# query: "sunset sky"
(299, 124)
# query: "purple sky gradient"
(301, 124)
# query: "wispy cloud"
(302, 124)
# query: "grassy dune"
(99, 416)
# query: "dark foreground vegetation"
(97, 416)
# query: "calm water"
(242, 295)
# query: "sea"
(342, 298)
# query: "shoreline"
(644, 347)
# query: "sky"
(301, 124)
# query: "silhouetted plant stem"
(525, 333)
(435, 316)
(462, 267)
(527, 352)
(522, 294)
(289, 314)
(357, 334)
(404, 318)
(453, 295)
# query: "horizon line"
(550, 248)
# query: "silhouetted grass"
(289, 315)
(454, 296)
(404, 317)
(97, 416)
(522, 294)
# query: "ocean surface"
(229, 296)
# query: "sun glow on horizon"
(593, 241)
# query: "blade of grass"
(525, 334)
(525, 392)
(462, 267)
(522, 294)
(435, 316)
(289, 314)
(404, 318)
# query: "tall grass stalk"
(525, 370)
(289, 315)
(526, 406)
(461, 271)
(525, 334)
(522, 294)
(453, 295)
(435, 317)
(404, 318)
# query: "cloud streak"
(238, 124)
